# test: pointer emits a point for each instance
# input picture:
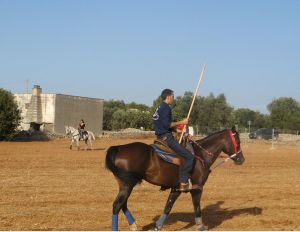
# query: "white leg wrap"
(198, 221)
(133, 227)
(199, 224)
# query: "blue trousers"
(186, 168)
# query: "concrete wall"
(58, 110)
(47, 109)
(70, 109)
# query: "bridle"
(235, 149)
(69, 131)
(235, 145)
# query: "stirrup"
(187, 187)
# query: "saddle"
(162, 145)
(166, 153)
(81, 137)
(84, 132)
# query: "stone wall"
(36, 109)
(23, 103)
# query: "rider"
(81, 128)
(162, 120)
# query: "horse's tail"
(130, 178)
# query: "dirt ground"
(46, 186)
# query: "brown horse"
(131, 163)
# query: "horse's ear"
(233, 129)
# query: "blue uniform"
(162, 119)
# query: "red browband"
(235, 145)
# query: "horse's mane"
(215, 134)
(211, 136)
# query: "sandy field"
(46, 186)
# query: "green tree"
(140, 119)
(141, 107)
(109, 108)
(120, 120)
(9, 115)
(213, 113)
(182, 106)
(284, 113)
(132, 118)
(241, 117)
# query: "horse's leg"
(77, 142)
(71, 144)
(124, 193)
(86, 145)
(171, 200)
(90, 140)
(130, 218)
(196, 196)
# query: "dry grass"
(45, 186)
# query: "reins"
(202, 148)
(224, 161)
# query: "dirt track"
(45, 186)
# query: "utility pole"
(27, 81)
(249, 123)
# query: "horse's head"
(233, 146)
(68, 131)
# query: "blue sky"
(131, 50)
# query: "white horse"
(76, 137)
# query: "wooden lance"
(192, 104)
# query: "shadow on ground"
(213, 216)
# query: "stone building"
(52, 112)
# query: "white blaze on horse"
(87, 136)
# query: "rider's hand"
(185, 121)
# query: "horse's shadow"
(90, 149)
(213, 216)
(98, 149)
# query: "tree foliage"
(9, 115)
(212, 113)
(209, 113)
(285, 113)
(242, 116)
(109, 108)
(118, 115)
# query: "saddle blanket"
(166, 156)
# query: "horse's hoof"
(201, 228)
(70, 147)
(157, 228)
(133, 227)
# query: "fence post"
(272, 147)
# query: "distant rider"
(81, 128)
